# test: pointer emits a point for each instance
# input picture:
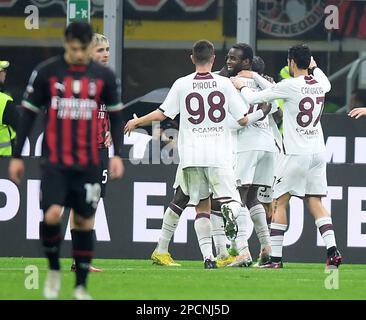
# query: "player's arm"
(157, 115)
(261, 81)
(168, 109)
(276, 112)
(277, 91)
(35, 97)
(239, 109)
(320, 76)
(357, 112)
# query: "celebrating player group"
(233, 160)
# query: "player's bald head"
(203, 51)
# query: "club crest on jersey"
(76, 86)
(92, 89)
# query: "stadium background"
(155, 38)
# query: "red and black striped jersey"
(103, 125)
(72, 96)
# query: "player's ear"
(192, 59)
(213, 59)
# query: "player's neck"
(299, 73)
(203, 69)
(70, 62)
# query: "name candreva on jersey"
(312, 90)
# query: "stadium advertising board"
(129, 218)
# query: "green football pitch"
(139, 279)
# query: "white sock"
(203, 228)
(241, 240)
(170, 222)
(277, 233)
(326, 229)
(259, 218)
(218, 234)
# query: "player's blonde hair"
(98, 39)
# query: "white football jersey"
(258, 135)
(303, 105)
(204, 102)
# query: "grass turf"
(139, 279)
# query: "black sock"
(276, 259)
(51, 241)
(82, 245)
(331, 251)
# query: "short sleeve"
(236, 105)
(170, 106)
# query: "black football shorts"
(71, 188)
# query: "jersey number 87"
(305, 116)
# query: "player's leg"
(278, 228)
(239, 243)
(104, 159)
(83, 198)
(203, 228)
(316, 188)
(290, 180)
(53, 189)
(223, 187)
(72, 228)
(161, 255)
(83, 247)
(323, 221)
(195, 182)
(223, 258)
(243, 257)
(258, 216)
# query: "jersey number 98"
(216, 112)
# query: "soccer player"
(254, 164)
(275, 119)
(99, 51)
(204, 101)
(302, 170)
(70, 87)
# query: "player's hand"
(312, 63)
(357, 112)
(116, 167)
(268, 78)
(16, 170)
(131, 125)
(245, 74)
(108, 139)
(237, 82)
(265, 107)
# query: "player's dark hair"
(203, 51)
(258, 65)
(81, 31)
(301, 55)
(246, 51)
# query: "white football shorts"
(200, 182)
(255, 168)
(301, 175)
